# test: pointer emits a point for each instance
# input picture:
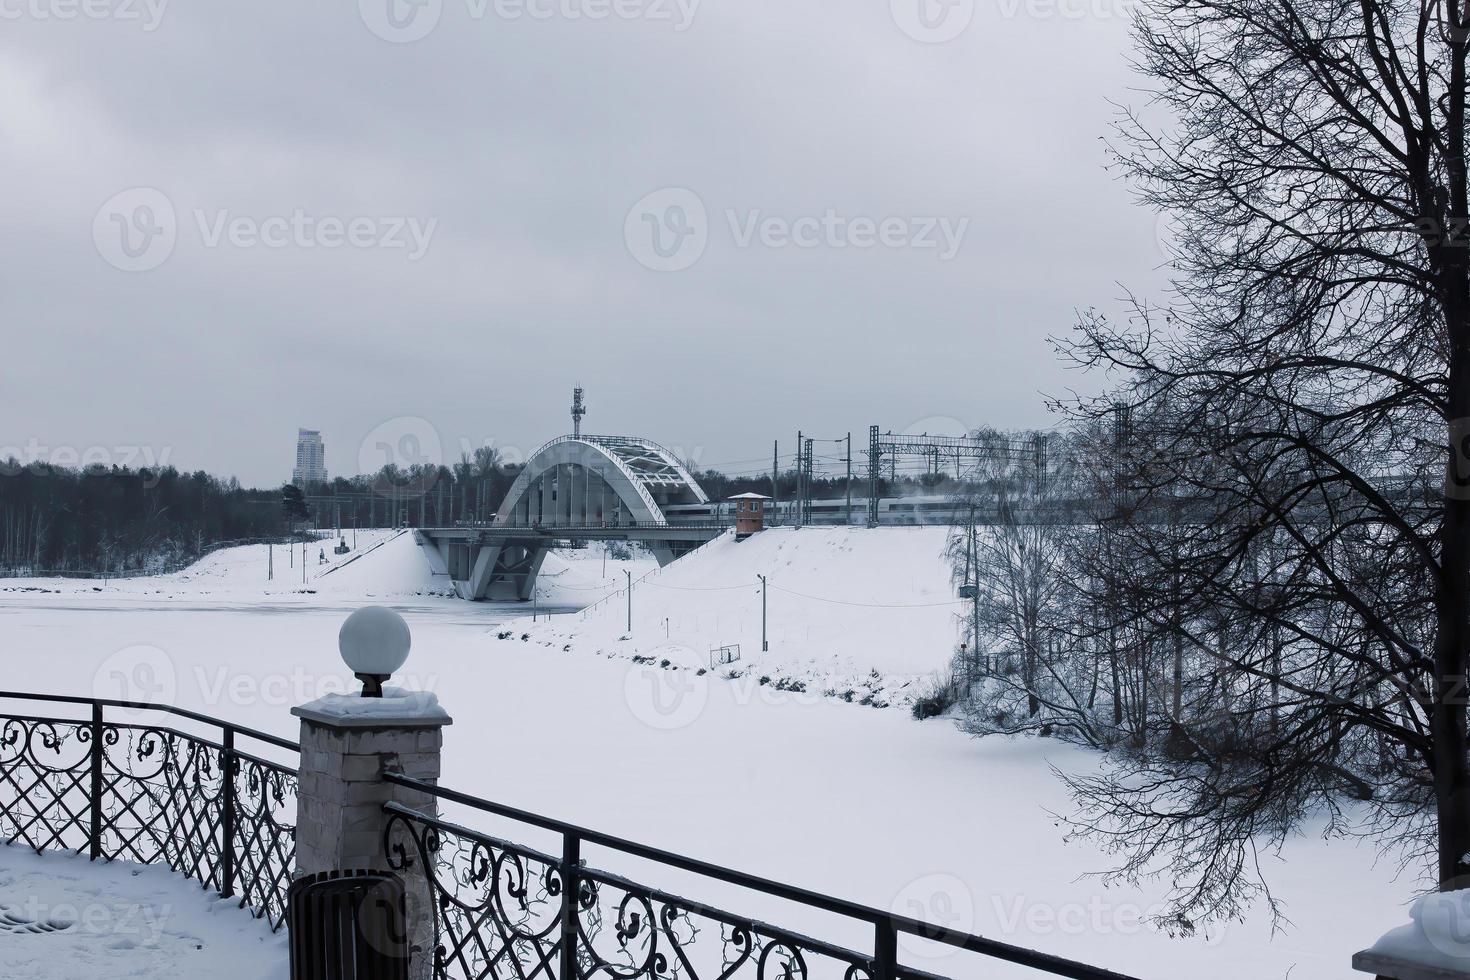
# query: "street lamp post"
(764, 645)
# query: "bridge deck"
(576, 532)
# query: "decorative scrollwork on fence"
(265, 835)
(161, 798)
(161, 801)
(45, 772)
(497, 906)
(500, 907)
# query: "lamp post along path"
(347, 743)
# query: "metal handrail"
(261, 883)
(574, 835)
(275, 740)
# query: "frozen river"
(859, 802)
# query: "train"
(933, 509)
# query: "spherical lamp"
(374, 642)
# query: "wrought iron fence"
(127, 787)
(506, 910)
(123, 787)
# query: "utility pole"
(270, 561)
(974, 562)
(796, 518)
(775, 476)
(848, 484)
(764, 645)
(874, 462)
(806, 500)
(630, 599)
(1040, 452)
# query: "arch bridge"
(574, 488)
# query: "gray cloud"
(527, 142)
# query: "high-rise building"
(311, 458)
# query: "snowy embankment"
(382, 565)
(862, 615)
(63, 917)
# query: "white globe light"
(374, 640)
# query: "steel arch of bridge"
(634, 475)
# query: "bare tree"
(1302, 521)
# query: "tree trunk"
(1451, 778)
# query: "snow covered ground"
(864, 804)
(383, 564)
(63, 917)
(865, 615)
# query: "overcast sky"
(422, 225)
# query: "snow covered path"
(63, 917)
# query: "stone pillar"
(347, 742)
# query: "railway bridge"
(574, 488)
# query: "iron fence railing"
(126, 786)
(120, 786)
(506, 910)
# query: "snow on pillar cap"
(374, 640)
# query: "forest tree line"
(114, 520)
